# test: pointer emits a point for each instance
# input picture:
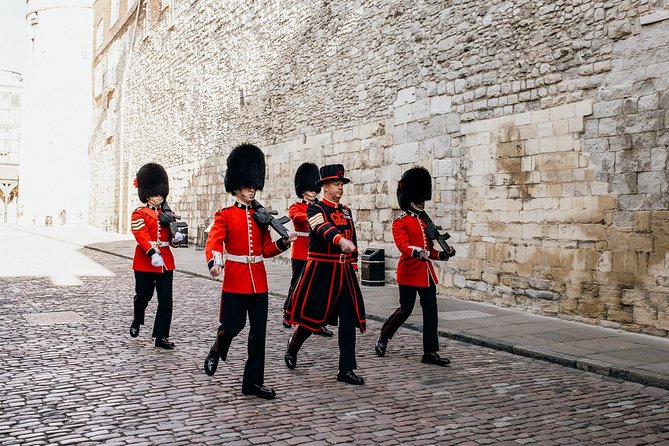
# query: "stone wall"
(543, 123)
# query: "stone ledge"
(655, 17)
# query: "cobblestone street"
(89, 382)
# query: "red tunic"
(151, 238)
(409, 233)
(298, 214)
(235, 232)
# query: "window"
(99, 34)
(147, 18)
(115, 5)
(100, 68)
(171, 13)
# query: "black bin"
(201, 238)
(373, 266)
(182, 227)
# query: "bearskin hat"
(152, 180)
(245, 167)
(414, 186)
(305, 179)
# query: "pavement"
(71, 374)
(610, 352)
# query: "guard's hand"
(157, 260)
(178, 237)
(216, 270)
(346, 245)
(292, 236)
(423, 255)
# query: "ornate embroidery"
(338, 218)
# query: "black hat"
(246, 168)
(332, 172)
(414, 186)
(152, 180)
(306, 178)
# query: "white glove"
(157, 260)
(178, 237)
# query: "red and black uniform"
(298, 254)
(415, 276)
(152, 238)
(327, 291)
(245, 244)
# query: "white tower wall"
(57, 103)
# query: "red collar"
(330, 203)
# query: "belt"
(332, 258)
(302, 234)
(243, 259)
(160, 244)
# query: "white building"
(11, 86)
(56, 122)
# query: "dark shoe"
(433, 358)
(286, 324)
(211, 363)
(325, 332)
(258, 390)
(164, 343)
(134, 329)
(380, 347)
(290, 359)
(349, 377)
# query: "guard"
(245, 244)
(153, 262)
(327, 291)
(306, 177)
(415, 273)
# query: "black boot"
(290, 358)
(211, 361)
(349, 377)
(258, 390)
(434, 358)
(380, 347)
(164, 343)
(218, 351)
(134, 329)
(325, 332)
(285, 323)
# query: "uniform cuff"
(150, 252)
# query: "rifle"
(264, 217)
(168, 218)
(432, 232)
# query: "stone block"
(440, 104)
(652, 182)
(405, 96)
(405, 153)
(403, 114)
(644, 316)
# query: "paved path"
(611, 352)
(70, 374)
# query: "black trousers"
(234, 310)
(428, 302)
(346, 334)
(297, 266)
(145, 283)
